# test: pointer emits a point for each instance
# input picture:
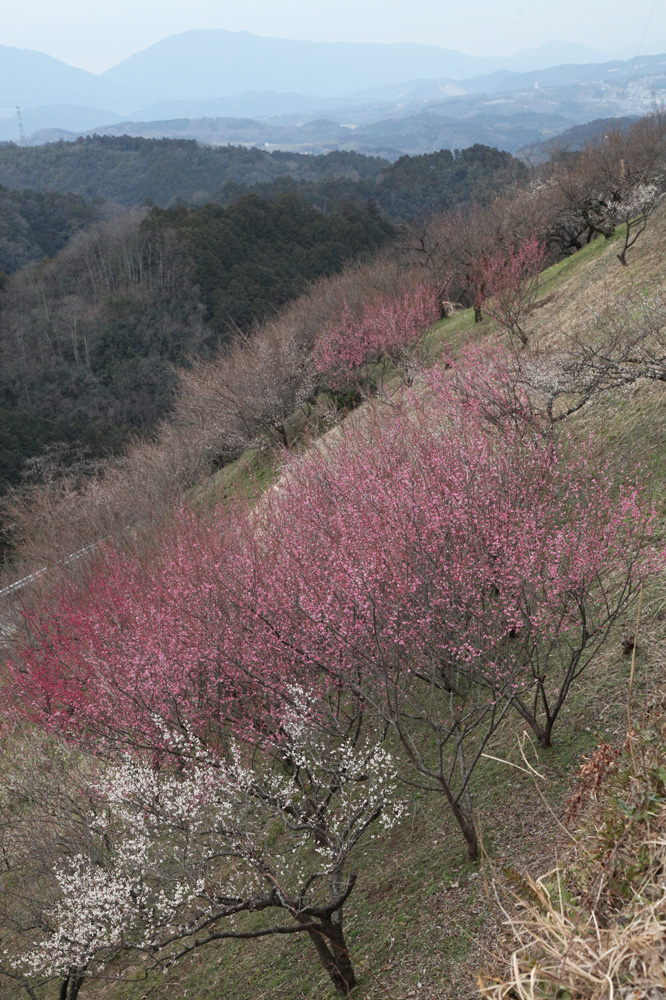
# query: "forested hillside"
(254, 256)
(130, 171)
(412, 187)
(37, 224)
(90, 338)
(133, 171)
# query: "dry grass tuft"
(601, 932)
(564, 953)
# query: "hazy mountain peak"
(28, 78)
(210, 64)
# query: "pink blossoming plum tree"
(435, 566)
(449, 567)
(508, 282)
(362, 346)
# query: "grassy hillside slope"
(420, 922)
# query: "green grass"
(451, 334)
(246, 476)
(553, 276)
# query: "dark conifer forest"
(122, 259)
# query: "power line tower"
(20, 124)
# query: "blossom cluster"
(166, 832)
(403, 549)
(388, 328)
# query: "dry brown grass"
(572, 294)
(594, 928)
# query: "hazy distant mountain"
(43, 136)
(30, 78)
(427, 131)
(390, 137)
(576, 138)
(216, 63)
(250, 105)
(574, 91)
(321, 134)
(503, 109)
(220, 87)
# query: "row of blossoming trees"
(246, 703)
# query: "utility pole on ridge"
(20, 125)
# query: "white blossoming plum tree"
(202, 847)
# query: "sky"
(96, 34)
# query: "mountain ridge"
(195, 59)
(502, 107)
(335, 68)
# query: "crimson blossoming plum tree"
(398, 567)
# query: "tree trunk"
(333, 954)
(464, 822)
(70, 986)
(542, 733)
(282, 434)
(471, 840)
(545, 738)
